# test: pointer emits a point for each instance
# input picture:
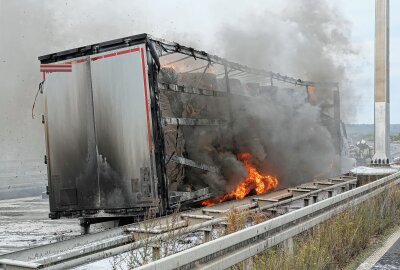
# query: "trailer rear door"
(71, 144)
(123, 127)
(99, 133)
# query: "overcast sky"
(361, 15)
(29, 28)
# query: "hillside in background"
(369, 129)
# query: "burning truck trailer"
(141, 125)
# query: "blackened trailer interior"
(122, 127)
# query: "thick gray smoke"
(309, 39)
(282, 130)
(284, 133)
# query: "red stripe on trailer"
(146, 99)
(56, 66)
(55, 70)
(59, 69)
(81, 60)
(110, 55)
(96, 58)
(115, 54)
(123, 52)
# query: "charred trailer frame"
(102, 123)
(106, 123)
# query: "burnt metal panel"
(93, 49)
(71, 146)
(123, 128)
(68, 196)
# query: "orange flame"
(254, 181)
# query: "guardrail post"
(306, 201)
(288, 246)
(207, 234)
(248, 264)
(223, 226)
(330, 193)
(156, 252)
(85, 226)
(315, 198)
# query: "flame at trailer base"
(254, 181)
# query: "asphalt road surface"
(391, 259)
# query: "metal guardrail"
(98, 246)
(236, 247)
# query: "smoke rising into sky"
(309, 39)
